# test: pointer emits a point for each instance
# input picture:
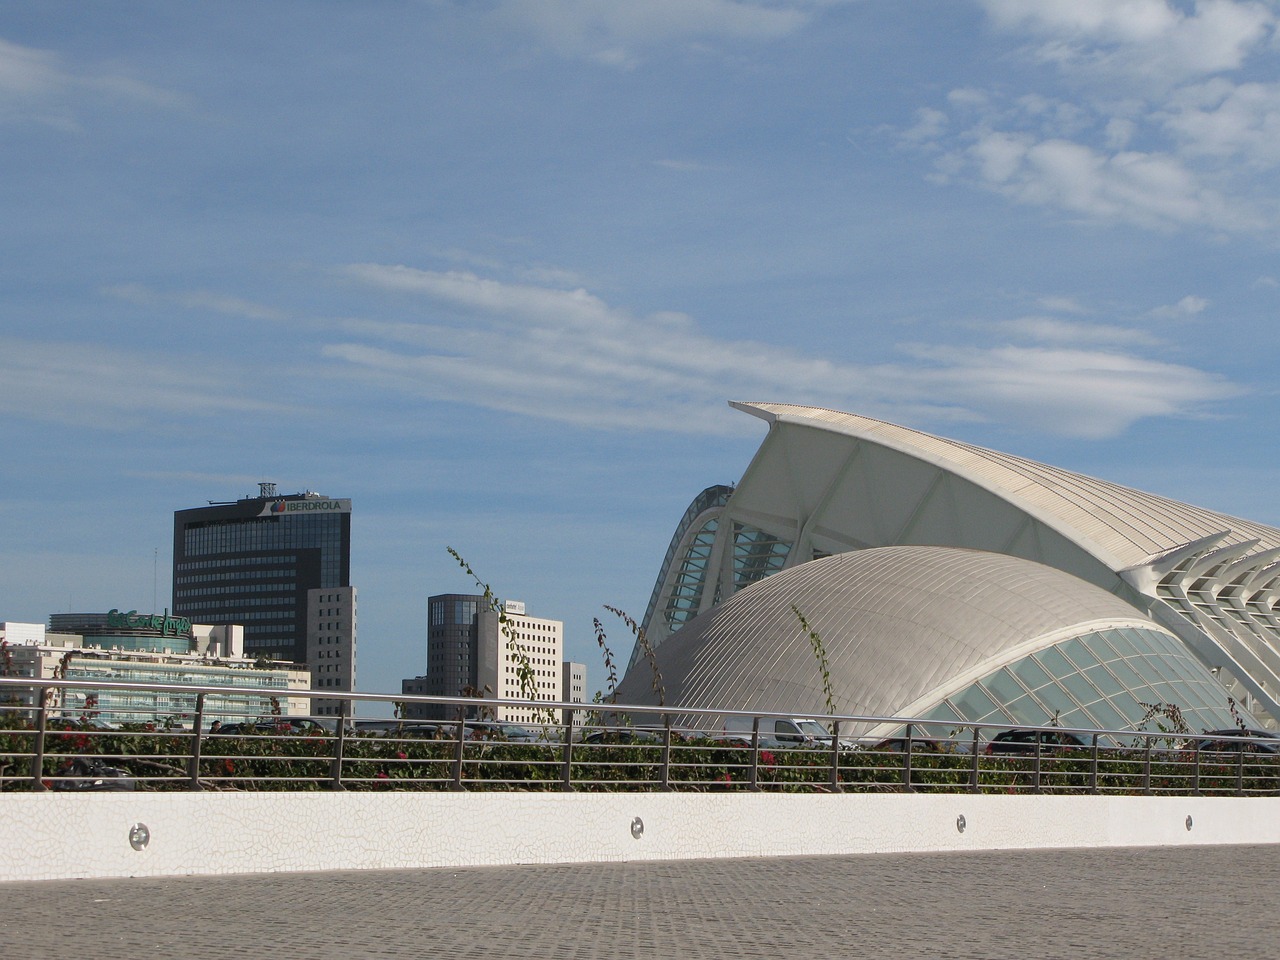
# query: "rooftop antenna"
(266, 489)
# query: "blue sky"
(493, 269)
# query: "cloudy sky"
(492, 269)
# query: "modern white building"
(475, 651)
(148, 648)
(825, 483)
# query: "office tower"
(469, 654)
(253, 561)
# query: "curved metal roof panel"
(897, 624)
(1120, 525)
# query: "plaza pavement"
(1167, 903)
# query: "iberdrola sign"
(167, 625)
(308, 506)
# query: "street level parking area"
(1184, 902)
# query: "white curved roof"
(1118, 524)
(901, 628)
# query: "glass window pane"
(1101, 678)
(1106, 716)
(1029, 711)
(1030, 673)
(1054, 662)
(1097, 643)
(1003, 687)
(1077, 653)
(973, 704)
(1123, 641)
(1127, 674)
(1080, 688)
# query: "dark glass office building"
(253, 560)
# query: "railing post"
(835, 757)
(666, 752)
(906, 762)
(340, 746)
(1146, 769)
(1035, 778)
(566, 765)
(1195, 771)
(1240, 771)
(457, 757)
(974, 770)
(37, 757)
(197, 732)
(754, 779)
(1093, 766)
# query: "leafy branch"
(646, 648)
(526, 676)
(820, 653)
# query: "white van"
(785, 731)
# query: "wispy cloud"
(195, 300)
(1150, 39)
(1184, 309)
(99, 387)
(36, 85)
(566, 354)
(618, 34)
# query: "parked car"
(399, 728)
(274, 726)
(1024, 741)
(787, 731)
(90, 773)
(622, 735)
(899, 745)
(1243, 741)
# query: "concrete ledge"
(63, 836)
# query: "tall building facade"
(254, 561)
(331, 643)
(469, 654)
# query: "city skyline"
(494, 271)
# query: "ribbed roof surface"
(896, 623)
(1122, 526)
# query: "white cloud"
(1225, 121)
(1090, 394)
(568, 355)
(1051, 330)
(1148, 38)
(94, 386)
(195, 300)
(36, 85)
(614, 33)
(1162, 133)
(1187, 307)
(1148, 189)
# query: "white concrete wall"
(64, 835)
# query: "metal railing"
(608, 748)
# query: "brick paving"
(1184, 903)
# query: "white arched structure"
(825, 482)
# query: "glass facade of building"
(252, 562)
(1111, 680)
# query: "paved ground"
(1165, 903)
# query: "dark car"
(89, 773)
(899, 745)
(399, 728)
(1243, 741)
(622, 735)
(1024, 741)
(273, 726)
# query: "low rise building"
(145, 648)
